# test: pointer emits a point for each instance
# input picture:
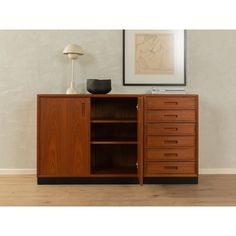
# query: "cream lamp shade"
(73, 51)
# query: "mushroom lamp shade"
(73, 51)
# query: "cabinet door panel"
(63, 137)
(140, 140)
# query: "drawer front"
(171, 154)
(170, 116)
(169, 168)
(170, 129)
(170, 102)
(170, 141)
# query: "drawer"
(169, 168)
(171, 154)
(170, 129)
(170, 116)
(170, 102)
(170, 141)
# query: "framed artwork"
(154, 57)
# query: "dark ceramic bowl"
(99, 86)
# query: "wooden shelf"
(114, 142)
(114, 138)
(103, 174)
(113, 121)
(116, 172)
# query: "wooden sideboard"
(117, 138)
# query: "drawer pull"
(171, 167)
(170, 128)
(83, 109)
(175, 103)
(171, 154)
(171, 141)
(167, 115)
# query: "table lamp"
(73, 51)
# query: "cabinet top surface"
(114, 95)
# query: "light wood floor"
(212, 190)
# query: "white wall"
(211, 73)
(32, 62)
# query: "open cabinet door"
(140, 139)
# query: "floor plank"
(212, 190)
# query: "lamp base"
(71, 89)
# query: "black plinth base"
(159, 180)
(171, 180)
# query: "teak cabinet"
(117, 138)
(63, 137)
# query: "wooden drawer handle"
(175, 103)
(167, 115)
(170, 128)
(83, 109)
(171, 167)
(171, 154)
(171, 141)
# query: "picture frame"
(154, 57)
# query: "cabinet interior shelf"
(112, 174)
(129, 172)
(113, 142)
(113, 121)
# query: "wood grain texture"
(170, 141)
(171, 126)
(114, 131)
(63, 137)
(113, 142)
(114, 121)
(170, 129)
(197, 136)
(113, 108)
(140, 145)
(169, 168)
(170, 102)
(170, 154)
(171, 135)
(170, 116)
(212, 190)
(116, 160)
